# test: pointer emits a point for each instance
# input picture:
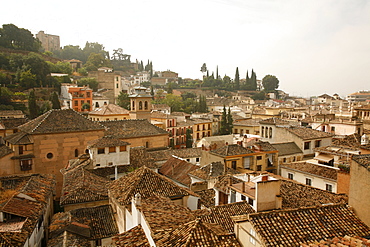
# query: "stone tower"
(141, 105)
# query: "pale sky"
(312, 47)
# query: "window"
(76, 103)
(26, 165)
(49, 156)
(290, 176)
(242, 197)
(82, 102)
(317, 143)
(197, 159)
(188, 160)
(262, 131)
(250, 201)
(20, 149)
(332, 129)
(122, 148)
(259, 168)
(252, 237)
(270, 133)
(146, 105)
(233, 196)
(147, 144)
(76, 152)
(133, 105)
(306, 145)
(112, 149)
(97, 165)
(101, 150)
(308, 181)
(117, 85)
(329, 187)
(140, 105)
(88, 94)
(233, 164)
(259, 157)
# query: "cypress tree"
(253, 81)
(189, 139)
(223, 124)
(32, 106)
(229, 122)
(55, 101)
(237, 79)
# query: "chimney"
(243, 187)
(265, 178)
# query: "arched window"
(140, 105)
(133, 105)
(76, 152)
(262, 131)
(97, 104)
(270, 133)
(146, 105)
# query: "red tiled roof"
(178, 169)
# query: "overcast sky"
(312, 47)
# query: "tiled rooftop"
(59, 121)
(18, 138)
(110, 109)
(10, 113)
(300, 226)
(295, 195)
(221, 214)
(132, 128)
(247, 122)
(147, 183)
(264, 146)
(231, 150)
(99, 222)
(224, 181)
(4, 150)
(212, 170)
(135, 237)
(340, 242)
(107, 141)
(207, 197)
(363, 160)
(198, 233)
(318, 170)
(25, 212)
(81, 186)
(287, 148)
(162, 214)
(11, 123)
(275, 121)
(177, 170)
(307, 133)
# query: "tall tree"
(55, 101)
(253, 81)
(18, 38)
(270, 83)
(123, 100)
(223, 124)
(33, 108)
(189, 138)
(237, 79)
(229, 122)
(203, 69)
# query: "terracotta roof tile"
(57, 121)
(18, 138)
(307, 133)
(12, 123)
(4, 150)
(222, 214)
(93, 222)
(231, 150)
(107, 141)
(318, 170)
(198, 233)
(299, 226)
(207, 197)
(147, 183)
(110, 109)
(178, 169)
(81, 186)
(340, 242)
(26, 197)
(212, 170)
(132, 128)
(287, 148)
(363, 160)
(135, 237)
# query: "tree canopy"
(270, 83)
(16, 38)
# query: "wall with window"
(311, 179)
(110, 156)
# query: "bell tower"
(140, 103)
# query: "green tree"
(60, 67)
(223, 123)
(45, 108)
(229, 122)
(96, 61)
(94, 47)
(55, 101)
(33, 108)
(270, 83)
(189, 138)
(86, 106)
(38, 67)
(237, 79)
(69, 52)
(123, 100)
(27, 79)
(203, 69)
(259, 96)
(5, 96)
(16, 38)
(174, 101)
(90, 81)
